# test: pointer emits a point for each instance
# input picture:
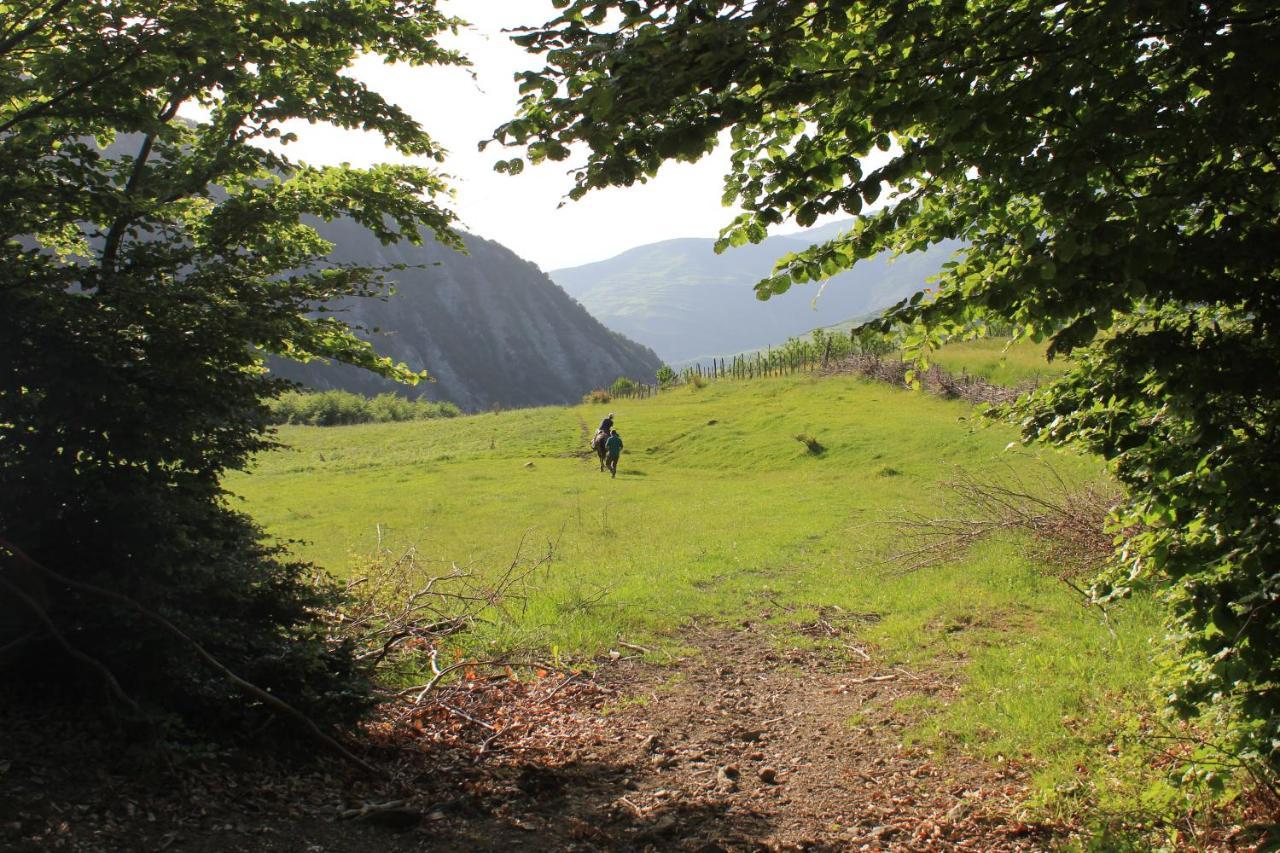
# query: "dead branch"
(108, 677)
(1066, 522)
(308, 725)
(397, 610)
(464, 715)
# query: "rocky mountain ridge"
(490, 327)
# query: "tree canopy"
(1113, 170)
(153, 245)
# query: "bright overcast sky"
(522, 211)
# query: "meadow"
(1000, 361)
(718, 514)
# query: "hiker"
(614, 447)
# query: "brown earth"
(741, 745)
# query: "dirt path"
(746, 747)
(739, 746)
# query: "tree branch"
(113, 686)
(21, 35)
(253, 690)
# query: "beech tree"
(1113, 170)
(152, 248)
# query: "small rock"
(768, 775)
(528, 464)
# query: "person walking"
(613, 446)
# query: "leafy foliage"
(335, 408)
(146, 262)
(1112, 168)
(622, 386)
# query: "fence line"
(817, 352)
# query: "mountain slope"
(489, 326)
(685, 301)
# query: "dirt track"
(738, 746)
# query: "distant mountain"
(686, 302)
(490, 327)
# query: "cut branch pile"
(400, 612)
(894, 371)
(1066, 522)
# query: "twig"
(15, 643)
(372, 808)
(561, 686)
(639, 812)
(484, 747)
(464, 715)
(634, 647)
(1088, 600)
(857, 649)
(890, 677)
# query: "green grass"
(999, 361)
(718, 512)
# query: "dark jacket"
(606, 425)
(614, 445)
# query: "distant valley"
(493, 329)
(686, 302)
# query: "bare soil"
(741, 745)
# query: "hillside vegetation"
(719, 512)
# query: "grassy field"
(999, 361)
(719, 512)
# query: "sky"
(523, 212)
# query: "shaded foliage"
(146, 262)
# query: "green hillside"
(717, 512)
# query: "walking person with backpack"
(613, 447)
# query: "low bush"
(338, 408)
(598, 396)
(814, 446)
(623, 387)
